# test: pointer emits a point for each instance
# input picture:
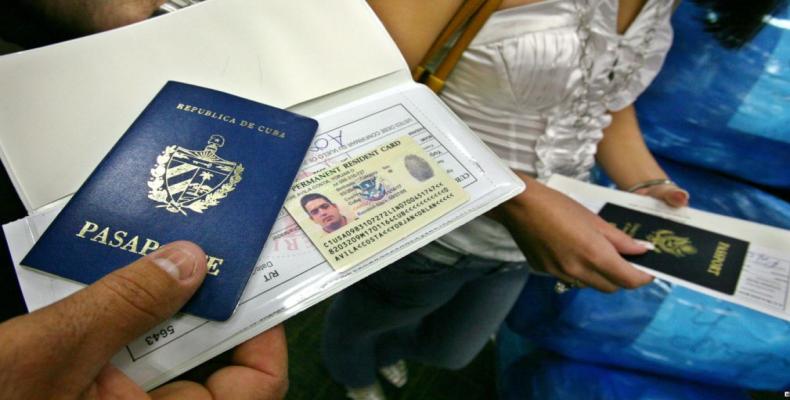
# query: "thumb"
(94, 323)
(676, 197)
(672, 195)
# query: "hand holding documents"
(738, 261)
(63, 350)
(689, 253)
(196, 165)
(313, 68)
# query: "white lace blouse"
(537, 85)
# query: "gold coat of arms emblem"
(193, 180)
(665, 241)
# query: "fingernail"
(177, 262)
(645, 244)
(680, 196)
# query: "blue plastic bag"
(659, 329)
(664, 329)
(542, 376)
(723, 109)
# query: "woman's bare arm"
(414, 24)
(626, 159)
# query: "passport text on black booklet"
(197, 165)
(696, 255)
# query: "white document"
(291, 274)
(764, 281)
(65, 105)
(68, 103)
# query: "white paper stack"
(65, 105)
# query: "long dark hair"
(734, 22)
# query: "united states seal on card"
(194, 180)
(360, 206)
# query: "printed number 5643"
(161, 334)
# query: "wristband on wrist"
(649, 183)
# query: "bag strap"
(470, 17)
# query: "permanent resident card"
(357, 208)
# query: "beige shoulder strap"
(469, 18)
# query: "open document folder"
(65, 105)
(734, 260)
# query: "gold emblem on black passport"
(193, 180)
(665, 241)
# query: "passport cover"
(692, 254)
(197, 165)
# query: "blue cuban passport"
(197, 165)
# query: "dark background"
(19, 29)
(10, 209)
(22, 29)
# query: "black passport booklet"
(198, 165)
(696, 255)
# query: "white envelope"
(64, 106)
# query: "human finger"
(594, 279)
(260, 370)
(266, 352)
(670, 194)
(601, 264)
(622, 243)
(114, 384)
(675, 196)
(585, 272)
(615, 269)
(575, 273)
(180, 390)
(91, 325)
